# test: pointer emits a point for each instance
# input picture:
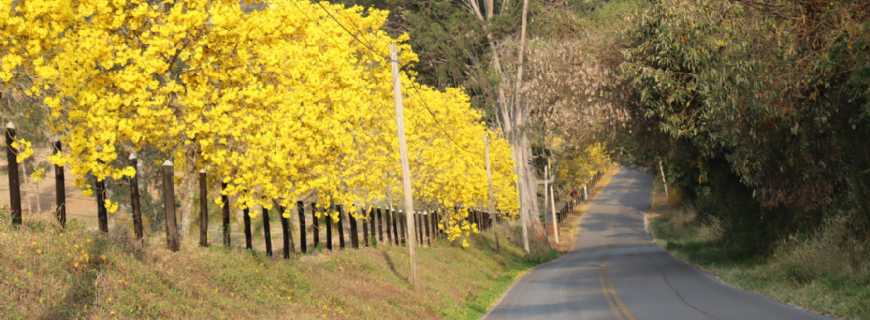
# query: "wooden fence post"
(435, 223)
(285, 232)
(102, 212)
(354, 231)
(226, 215)
(329, 224)
(14, 182)
(395, 217)
(59, 189)
(365, 224)
(380, 218)
(169, 207)
(340, 226)
(267, 232)
(372, 223)
(403, 225)
(203, 209)
(135, 205)
(426, 221)
(315, 225)
(388, 225)
(246, 216)
(418, 228)
(303, 240)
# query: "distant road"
(616, 272)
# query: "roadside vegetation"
(77, 274)
(757, 115)
(812, 271)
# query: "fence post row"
(426, 224)
(303, 240)
(168, 207)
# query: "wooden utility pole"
(406, 168)
(172, 240)
(553, 212)
(521, 113)
(548, 189)
(664, 180)
(490, 202)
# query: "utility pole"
(406, 169)
(552, 203)
(664, 180)
(490, 205)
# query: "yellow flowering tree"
(280, 99)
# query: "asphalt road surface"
(616, 272)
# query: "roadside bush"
(833, 251)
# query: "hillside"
(81, 274)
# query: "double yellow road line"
(616, 305)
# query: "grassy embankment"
(77, 273)
(821, 272)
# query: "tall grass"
(827, 271)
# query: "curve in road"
(617, 272)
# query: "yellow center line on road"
(616, 304)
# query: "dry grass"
(826, 271)
(80, 274)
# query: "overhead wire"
(414, 84)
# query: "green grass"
(813, 272)
(77, 273)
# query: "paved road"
(615, 272)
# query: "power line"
(414, 84)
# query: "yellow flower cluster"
(282, 99)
